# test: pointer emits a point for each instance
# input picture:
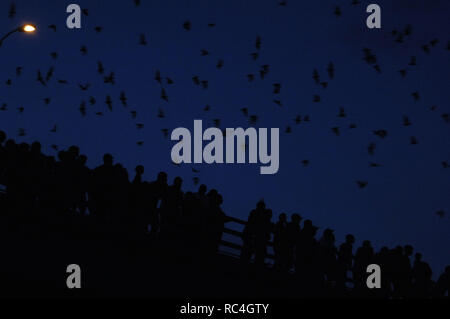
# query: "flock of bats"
(109, 78)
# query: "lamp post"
(28, 28)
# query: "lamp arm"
(8, 34)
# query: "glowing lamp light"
(28, 28)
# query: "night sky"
(399, 204)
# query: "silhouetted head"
(2, 137)
(409, 250)
(213, 196)
(328, 234)
(447, 270)
(177, 182)
(282, 217)
(162, 178)
(366, 243)
(121, 172)
(139, 170)
(74, 150)
(212, 193)
(50, 160)
(189, 196)
(10, 144)
(296, 218)
(108, 159)
(36, 148)
(61, 155)
(307, 223)
(82, 159)
(24, 147)
(350, 239)
(261, 204)
(202, 189)
(418, 256)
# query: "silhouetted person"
(363, 258)
(293, 234)
(156, 193)
(120, 195)
(215, 222)
(19, 185)
(2, 137)
(102, 190)
(405, 272)
(306, 256)
(137, 216)
(263, 232)
(249, 232)
(280, 244)
(344, 260)
(327, 255)
(442, 288)
(49, 188)
(199, 219)
(401, 271)
(382, 258)
(2, 158)
(171, 208)
(83, 175)
(3, 169)
(190, 222)
(139, 170)
(421, 278)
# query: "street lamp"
(28, 28)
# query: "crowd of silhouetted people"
(319, 262)
(45, 196)
(48, 197)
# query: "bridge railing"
(236, 235)
(236, 244)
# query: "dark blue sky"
(397, 207)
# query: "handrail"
(239, 235)
(236, 220)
